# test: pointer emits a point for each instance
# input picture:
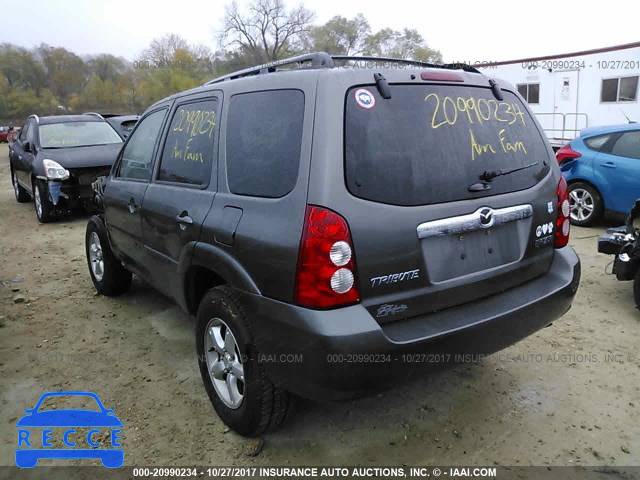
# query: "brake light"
(441, 76)
(562, 220)
(325, 277)
(566, 153)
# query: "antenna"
(625, 116)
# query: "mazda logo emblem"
(486, 217)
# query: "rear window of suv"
(429, 143)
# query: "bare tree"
(267, 31)
(161, 51)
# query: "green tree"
(340, 36)
(21, 68)
(106, 67)
(407, 44)
(66, 73)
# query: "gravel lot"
(568, 395)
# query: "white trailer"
(572, 91)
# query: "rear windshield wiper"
(489, 175)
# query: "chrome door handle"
(184, 220)
(133, 206)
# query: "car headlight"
(54, 171)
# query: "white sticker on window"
(365, 98)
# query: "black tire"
(591, 198)
(45, 211)
(263, 406)
(636, 289)
(21, 194)
(115, 279)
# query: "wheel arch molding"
(204, 266)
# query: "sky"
(463, 30)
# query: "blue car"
(32, 447)
(602, 168)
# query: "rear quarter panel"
(581, 169)
(263, 234)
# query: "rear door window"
(264, 139)
(428, 144)
(188, 151)
(628, 145)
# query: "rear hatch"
(429, 232)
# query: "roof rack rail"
(324, 60)
(95, 114)
(317, 60)
(36, 117)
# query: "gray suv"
(337, 224)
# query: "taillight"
(562, 220)
(325, 277)
(566, 153)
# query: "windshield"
(429, 143)
(77, 134)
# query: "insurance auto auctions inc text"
(375, 472)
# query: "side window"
(530, 92)
(623, 89)
(596, 143)
(264, 138)
(188, 151)
(628, 145)
(25, 131)
(137, 157)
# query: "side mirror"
(26, 146)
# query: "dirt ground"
(568, 395)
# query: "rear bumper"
(345, 353)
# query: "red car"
(4, 132)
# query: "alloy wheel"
(37, 200)
(224, 363)
(95, 256)
(581, 204)
(16, 186)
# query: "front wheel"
(44, 207)
(107, 274)
(585, 203)
(235, 380)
